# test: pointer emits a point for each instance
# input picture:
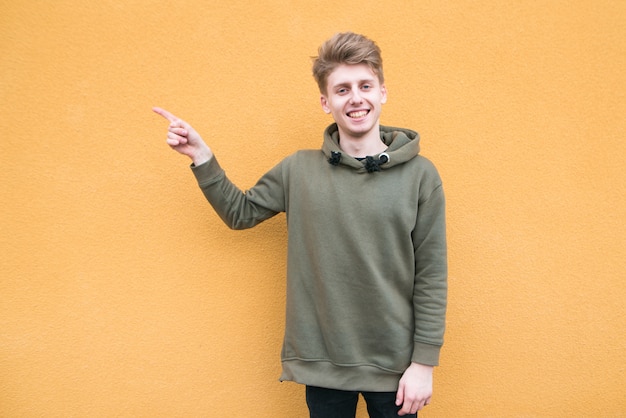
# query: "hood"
(402, 146)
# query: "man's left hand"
(415, 389)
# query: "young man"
(367, 269)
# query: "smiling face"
(354, 96)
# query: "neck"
(362, 146)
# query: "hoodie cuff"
(208, 172)
(426, 354)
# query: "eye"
(342, 90)
(366, 86)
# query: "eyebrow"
(347, 83)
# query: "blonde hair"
(346, 48)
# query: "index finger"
(167, 115)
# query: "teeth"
(358, 114)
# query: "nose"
(356, 97)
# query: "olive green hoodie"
(366, 265)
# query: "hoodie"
(366, 262)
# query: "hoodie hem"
(325, 374)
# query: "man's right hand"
(182, 138)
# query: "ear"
(324, 103)
(383, 91)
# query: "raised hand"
(182, 138)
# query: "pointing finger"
(167, 115)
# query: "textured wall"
(122, 294)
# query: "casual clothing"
(332, 403)
(366, 264)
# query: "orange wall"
(122, 294)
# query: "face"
(354, 97)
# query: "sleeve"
(239, 209)
(431, 274)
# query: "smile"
(358, 114)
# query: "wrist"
(424, 367)
(202, 157)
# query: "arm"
(238, 209)
(429, 298)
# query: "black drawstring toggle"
(373, 164)
(335, 158)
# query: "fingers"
(400, 394)
(176, 136)
(410, 404)
(410, 408)
(177, 125)
(167, 115)
(401, 399)
(177, 133)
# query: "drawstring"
(335, 157)
(371, 164)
